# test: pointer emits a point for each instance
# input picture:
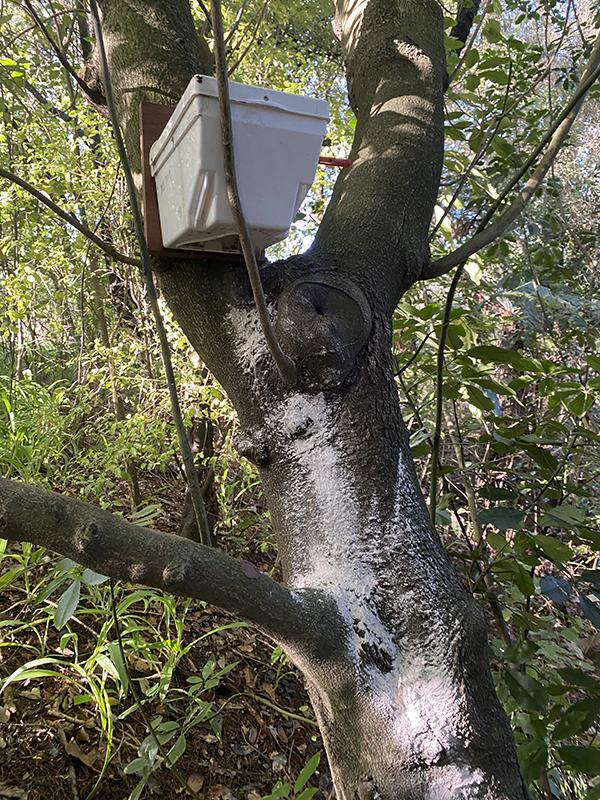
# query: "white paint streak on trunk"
(248, 336)
(335, 559)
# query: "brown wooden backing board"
(153, 118)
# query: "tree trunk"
(403, 694)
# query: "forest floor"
(53, 746)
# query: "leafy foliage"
(83, 406)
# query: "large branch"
(465, 17)
(467, 12)
(112, 546)
(69, 218)
(554, 139)
(89, 91)
(382, 204)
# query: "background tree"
(391, 643)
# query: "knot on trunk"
(323, 322)
(366, 789)
(253, 446)
(88, 537)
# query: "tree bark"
(403, 692)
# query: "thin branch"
(464, 23)
(554, 140)
(206, 12)
(69, 218)
(478, 155)
(414, 356)
(57, 112)
(253, 36)
(110, 545)
(439, 395)
(94, 95)
(285, 365)
(184, 444)
(236, 22)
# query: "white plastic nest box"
(277, 138)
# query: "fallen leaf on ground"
(73, 749)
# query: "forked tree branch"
(467, 11)
(464, 23)
(554, 140)
(112, 546)
(92, 94)
(71, 219)
(379, 205)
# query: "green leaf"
(533, 758)
(577, 677)
(471, 59)
(307, 794)
(580, 404)
(564, 516)
(510, 568)
(456, 335)
(526, 690)
(496, 540)
(590, 610)
(541, 456)
(178, 749)
(67, 604)
(478, 399)
(138, 765)
(577, 719)
(91, 578)
(503, 518)
(307, 772)
(279, 790)
(592, 576)
(552, 548)
(491, 354)
(492, 31)
(582, 759)
(500, 145)
(8, 577)
(594, 362)
(495, 386)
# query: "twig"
(554, 140)
(414, 356)
(57, 112)
(478, 156)
(206, 12)
(283, 711)
(285, 365)
(236, 22)
(184, 445)
(71, 219)
(94, 95)
(439, 392)
(253, 36)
